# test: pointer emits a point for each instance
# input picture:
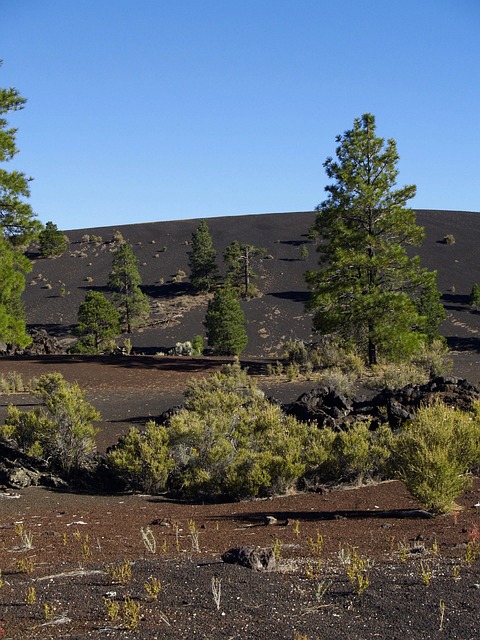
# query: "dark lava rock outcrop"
(330, 409)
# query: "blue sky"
(146, 110)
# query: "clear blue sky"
(146, 110)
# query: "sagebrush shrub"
(142, 458)
(60, 429)
(434, 453)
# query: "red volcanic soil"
(309, 595)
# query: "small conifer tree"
(98, 323)
(202, 259)
(125, 281)
(52, 241)
(225, 323)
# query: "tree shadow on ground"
(261, 518)
(456, 343)
(296, 296)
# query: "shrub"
(60, 429)
(12, 382)
(197, 346)
(449, 239)
(434, 453)
(475, 296)
(396, 375)
(338, 380)
(230, 440)
(142, 459)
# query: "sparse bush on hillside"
(60, 429)
(434, 453)
(475, 296)
(449, 239)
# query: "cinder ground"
(310, 595)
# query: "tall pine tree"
(18, 226)
(366, 287)
(202, 259)
(125, 281)
(18, 223)
(240, 258)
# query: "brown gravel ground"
(74, 537)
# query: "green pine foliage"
(98, 324)
(18, 223)
(52, 241)
(202, 260)
(13, 266)
(225, 323)
(430, 308)
(240, 259)
(125, 281)
(366, 282)
(18, 227)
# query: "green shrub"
(433, 358)
(12, 382)
(142, 459)
(338, 380)
(60, 429)
(396, 375)
(475, 296)
(359, 452)
(197, 346)
(434, 453)
(230, 440)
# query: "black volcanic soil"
(278, 314)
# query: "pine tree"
(125, 281)
(18, 223)
(366, 284)
(225, 323)
(18, 226)
(52, 241)
(429, 306)
(202, 259)
(98, 324)
(239, 258)
(13, 266)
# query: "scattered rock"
(251, 557)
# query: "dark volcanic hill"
(278, 314)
